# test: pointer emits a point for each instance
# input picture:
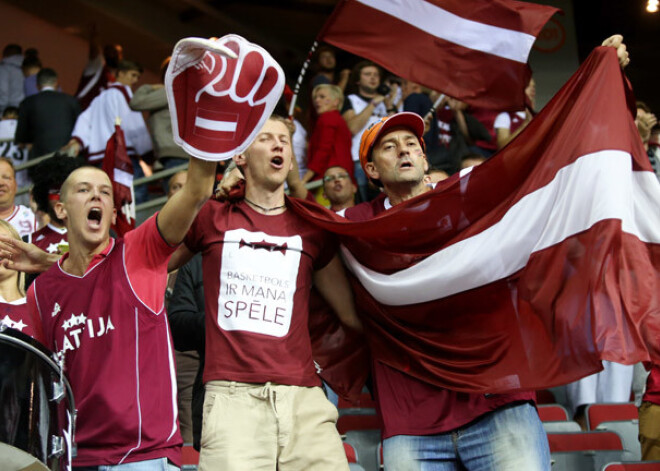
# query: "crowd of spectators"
(39, 119)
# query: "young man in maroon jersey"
(264, 408)
(102, 306)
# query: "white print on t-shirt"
(78, 327)
(9, 322)
(258, 281)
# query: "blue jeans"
(510, 438)
(158, 464)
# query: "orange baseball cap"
(370, 136)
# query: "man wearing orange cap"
(424, 423)
(424, 426)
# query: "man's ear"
(114, 216)
(426, 164)
(239, 159)
(60, 211)
(370, 170)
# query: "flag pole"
(301, 76)
(305, 66)
(431, 112)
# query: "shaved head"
(75, 176)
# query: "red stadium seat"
(584, 451)
(189, 458)
(633, 466)
(351, 454)
(581, 441)
(358, 422)
(381, 461)
(598, 413)
(552, 413)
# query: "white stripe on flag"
(226, 126)
(122, 177)
(501, 42)
(596, 187)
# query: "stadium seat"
(365, 443)
(584, 451)
(597, 413)
(351, 454)
(189, 458)
(552, 413)
(633, 466)
(561, 426)
(381, 461)
(628, 430)
(358, 422)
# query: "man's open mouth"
(94, 216)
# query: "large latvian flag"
(529, 270)
(473, 50)
(117, 164)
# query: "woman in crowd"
(330, 143)
(13, 307)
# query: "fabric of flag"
(117, 164)
(527, 271)
(475, 51)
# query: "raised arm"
(180, 211)
(333, 285)
(21, 256)
(356, 121)
(616, 41)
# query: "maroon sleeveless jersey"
(17, 316)
(118, 356)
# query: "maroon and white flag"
(475, 50)
(527, 271)
(220, 94)
(117, 164)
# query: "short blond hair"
(334, 90)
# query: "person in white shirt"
(19, 216)
(97, 124)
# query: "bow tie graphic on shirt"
(269, 246)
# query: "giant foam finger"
(220, 94)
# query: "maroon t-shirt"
(409, 406)
(111, 326)
(17, 316)
(49, 238)
(257, 278)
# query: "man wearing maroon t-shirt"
(102, 307)
(264, 408)
(422, 423)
